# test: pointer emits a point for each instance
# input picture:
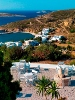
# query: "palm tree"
(42, 86)
(53, 90)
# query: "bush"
(15, 53)
(69, 42)
(63, 39)
(47, 52)
(39, 39)
(69, 47)
(72, 30)
(41, 52)
(72, 62)
(22, 41)
(8, 88)
(55, 55)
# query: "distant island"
(10, 15)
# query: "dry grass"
(65, 45)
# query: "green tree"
(72, 30)
(63, 39)
(42, 86)
(39, 39)
(55, 55)
(8, 88)
(41, 52)
(53, 90)
(1, 57)
(15, 53)
(69, 47)
(28, 53)
(46, 87)
(3, 48)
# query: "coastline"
(31, 33)
(26, 32)
(8, 32)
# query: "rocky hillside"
(63, 21)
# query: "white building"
(26, 42)
(31, 42)
(45, 31)
(56, 38)
(12, 44)
(43, 37)
(38, 36)
(1, 44)
(19, 43)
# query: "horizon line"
(36, 9)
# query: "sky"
(37, 4)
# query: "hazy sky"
(36, 4)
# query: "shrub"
(68, 42)
(39, 39)
(15, 53)
(63, 39)
(69, 47)
(72, 30)
(55, 55)
(8, 88)
(72, 62)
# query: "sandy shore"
(33, 34)
(67, 91)
(30, 33)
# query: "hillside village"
(63, 22)
(55, 27)
(44, 35)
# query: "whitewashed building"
(45, 31)
(56, 38)
(1, 44)
(12, 44)
(19, 43)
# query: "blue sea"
(15, 37)
(24, 15)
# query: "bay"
(15, 37)
(19, 35)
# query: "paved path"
(43, 65)
(54, 66)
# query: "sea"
(23, 15)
